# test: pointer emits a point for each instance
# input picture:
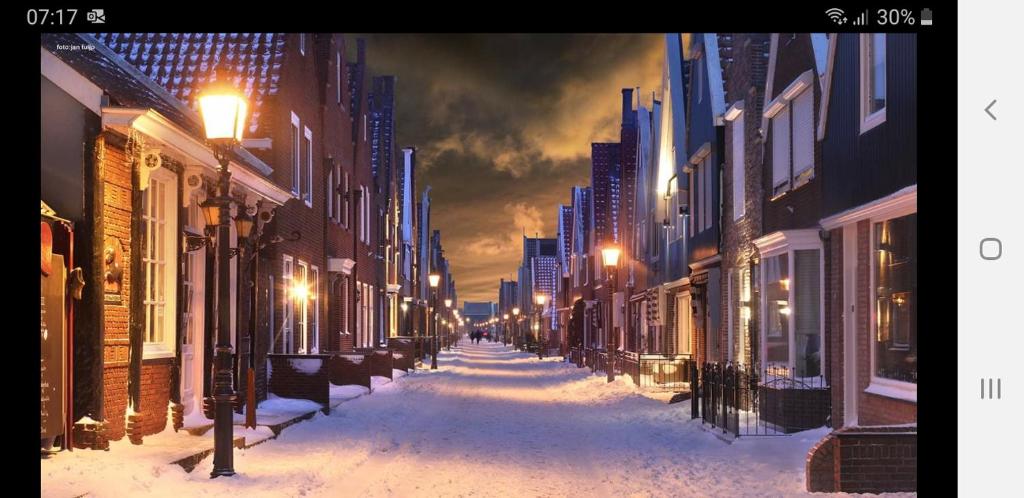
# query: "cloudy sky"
(503, 125)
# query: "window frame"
(315, 297)
(307, 195)
(787, 243)
(301, 276)
(165, 346)
(882, 386)
(868, 119)
(288, 307)
(739, 162)
(296, 156)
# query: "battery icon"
(926, 17)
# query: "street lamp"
(435, 279)
(515, 333)
(504, 331)
(610, 255)
(540, 299)
(223, 111)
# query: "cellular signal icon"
(836, 15)
(862, 19)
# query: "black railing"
(770, 401)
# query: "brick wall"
(155, 394)
(864, 460)
(834, 328)
(116, 174)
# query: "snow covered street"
(489, 422)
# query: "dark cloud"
(503, 126)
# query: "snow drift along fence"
(403, 352)
(381, 363)
(350, 369)
(300, 376)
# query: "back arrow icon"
(993, 116)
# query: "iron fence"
(758, 402)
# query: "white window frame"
(801, 174)
(344, 198)
(165, 262)
(788, 242)
(301, 277)
(869, 120)
(287, 318)
(784, 102)
(307, 196)
(881, 386)
(302, 43)
(707, 191)
(296, 157)
(330, 195)
(315, 296)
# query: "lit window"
(159, 218)
(873, 75)
(792, 282)
(895, 282)
(286, 305)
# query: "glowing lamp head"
(404, 306)
(610, 255)
(506, 316)
(447, 303)
(223, 109)
(515, 311)
(540, 299)
(434, 279)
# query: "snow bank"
(308, 366)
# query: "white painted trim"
(394, 288)
(893, 205)
(826, 84)
(849, 314)
(700, 154)
(258, 143)
(705, 263)
(171, 136)
(734, 110)
(801, 83)
(869, 121)
(676, 283)
(892, 389)
(785, 240)
(308, 134)
(340, 265)
(66, 78)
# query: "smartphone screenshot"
(677, 257)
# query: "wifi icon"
(836, 15)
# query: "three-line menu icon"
(991, 388)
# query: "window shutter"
(803, 132)
(807, 312)
(738, 165)
(780, 149)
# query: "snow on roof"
(183, 62)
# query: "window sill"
(869, 122)
(893, 389)
(156, 351)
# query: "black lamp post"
(435, 279)
(610, 255)
(224, 113)
(504, 330)
(515, 321)
(539, 327)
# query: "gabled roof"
(130, 88)
(182, 63)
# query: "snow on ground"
(488, 422)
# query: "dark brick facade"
(864, 460)
(288, 381)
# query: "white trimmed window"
(738, 168)
(872, 80)
(343, 200)
(314, 295)
(803, 137)
(684, 330)
(780, 152)
(287, 307)
(302, 43)
(894, 349)
(706, 180)
(792, 332)
(160, 222)
(296, 158)
(307, 194)
(301, 304)
(330, 195)
(693, 200)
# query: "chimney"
(627, 106)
